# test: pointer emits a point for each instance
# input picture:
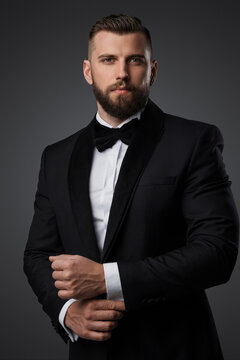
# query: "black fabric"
(105, 137)
(172, 229)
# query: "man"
(134, 217)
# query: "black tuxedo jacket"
(173, 229)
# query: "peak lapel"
(145, 139)
(79, 172)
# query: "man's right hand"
(94, 319)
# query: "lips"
(121, 90)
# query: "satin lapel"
(79, 172)
(145, 139)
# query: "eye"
(135, 60)
(107, 60)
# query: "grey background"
(45, 98)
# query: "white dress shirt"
(103, 178)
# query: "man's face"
(120, 70)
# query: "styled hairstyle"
(119, 24)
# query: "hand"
(77, 277)
(94, 319)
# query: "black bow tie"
(105, 137)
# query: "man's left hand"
(77, 277)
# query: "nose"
(122, 71)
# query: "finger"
(56, 257)
(105, 326)
(61, 285)
(60, 257)
(52, 258)
(106, 315)
(98, 335)
(59, 265)
(58, 275)
(109, 305)
(66, 294)
(119, 305)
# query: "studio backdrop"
(45, 98)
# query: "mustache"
(118, 85)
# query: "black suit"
(173, 229)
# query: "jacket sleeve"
(210, 251)
(43, 241)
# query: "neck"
(111, 120)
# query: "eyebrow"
(128, 57)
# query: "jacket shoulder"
(185, 124)
(180, 125)
(190, 132)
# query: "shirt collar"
(103, 122)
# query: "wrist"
(67, 319)
(102, 282)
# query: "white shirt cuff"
(73, 337)
(113, 282)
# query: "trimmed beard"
(124, 106)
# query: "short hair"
(119, 24)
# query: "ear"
(87, 71)
(153, 72)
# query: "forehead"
(106, 42)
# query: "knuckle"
(87, 315)
(114, 315)
(67, 266)
(111, 305)
(74, 284)
(90, 305)
(70, 284)
(71, 293)
(67, 275)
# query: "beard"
(124, 105)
